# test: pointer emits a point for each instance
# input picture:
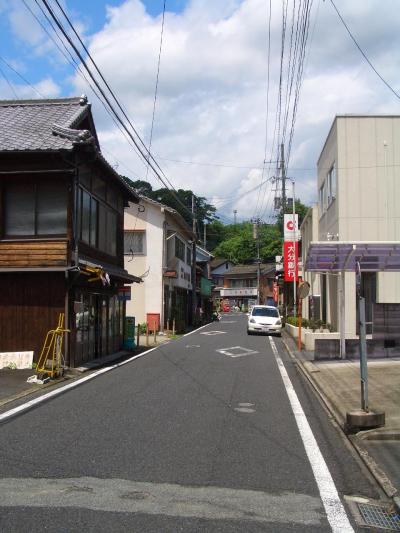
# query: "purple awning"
(336, 256)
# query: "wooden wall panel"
(33, 253)
(30, 304)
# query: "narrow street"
(197, 435)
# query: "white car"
(264, 319)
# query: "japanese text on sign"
(290, 260)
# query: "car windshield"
(264, 311)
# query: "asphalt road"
(202, 434)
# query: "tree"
(215, 233)
(143, 188)
(239, 245)
(180, 200)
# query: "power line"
(267, 103)
(22, 77)
(156, 87)
(137, 141)
(363, 53)
(71, 60)
(8, 83)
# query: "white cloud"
(212, 88)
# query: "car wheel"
(249, 332)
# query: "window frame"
(183, 249)
(143, 235)
(35, 234)
(332, 184)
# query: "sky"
(216, 124)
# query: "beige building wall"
(147, 296)
(365, 205)
(309, 233)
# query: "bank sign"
(290, 252)
(291, 228)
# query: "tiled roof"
(27, 125)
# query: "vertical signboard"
(291, 227)
(275, 292)
(290, 250)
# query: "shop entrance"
(98, 325)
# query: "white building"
(359, 200)
(158, 248)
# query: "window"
(85, 213)
(88, 218)
(188, 256)
(111, 244)
(179, 249)
(265, 311)
(323, 198)
(242, 283)
(331, 179)
(134, 242)
(33, 209)
(98, 224)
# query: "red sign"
(290, 259)
(275, 292)
(124, 294)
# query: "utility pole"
(205, 235)
(234, 216)
(193, 262)
(256, 237)
(283, 177)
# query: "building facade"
(240, 286)
(158, 248)
(359, 200)
(61, 231)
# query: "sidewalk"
(13, 384)
(338, 384)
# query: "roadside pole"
(296, 255)
(193, 263)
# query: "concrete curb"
(379, 475)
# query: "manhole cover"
(378, 516)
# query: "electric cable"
(22, 78)
(9, 83)
(363, 53)
(156, 87)
(138, 142)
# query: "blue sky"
(33, 66)
(212, 129)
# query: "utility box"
(153, 321)
(129, 335)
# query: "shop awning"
(113, 271)
(336, 256)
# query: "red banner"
(275, 292)
(290, 260)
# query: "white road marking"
(192, 346)
(240, 351)
(244, 410)
(335, 511)
(61, 390)
(212, 332)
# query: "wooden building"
(61, 231)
